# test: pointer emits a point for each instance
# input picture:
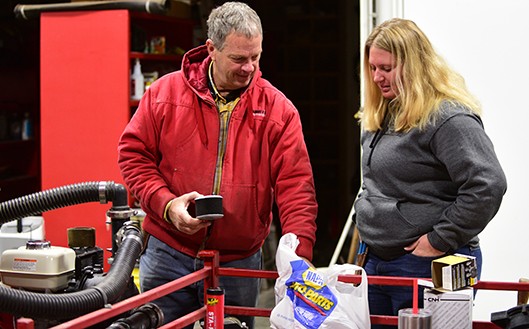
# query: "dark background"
(311, 53)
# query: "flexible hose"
(150, 6)
(36, 203)
(70, 305)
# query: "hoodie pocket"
(241, 221)
(380, 222)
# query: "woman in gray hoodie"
(431, 178)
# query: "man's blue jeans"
(388, 300)
(161, 264)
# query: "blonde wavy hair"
(423, 80)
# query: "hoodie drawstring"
(378, 136)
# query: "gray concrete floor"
(266, 300)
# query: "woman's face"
(383, 71)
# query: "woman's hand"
(180, 217)
(423, 248)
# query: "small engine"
(51, 284)
(38, 266)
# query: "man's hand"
(180, 217)
(423, 248)
(308, 262)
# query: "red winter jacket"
(170, 148)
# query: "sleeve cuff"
(166, 211)
(304, 248)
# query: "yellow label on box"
(454, 272)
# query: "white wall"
(487, 42)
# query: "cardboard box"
(450, 309)
(454, 272)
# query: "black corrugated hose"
(70, 305)
(36, 203)
(150, 6)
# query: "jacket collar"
(231, 96)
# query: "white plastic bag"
(307, 298)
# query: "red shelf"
(138, 15)
(156, 57)
(17, 186)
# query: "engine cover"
(37, 266)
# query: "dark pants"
(161, 264)
(388, 300)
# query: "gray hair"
(231, 17)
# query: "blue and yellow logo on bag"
(312, 300)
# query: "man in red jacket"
(217, 127)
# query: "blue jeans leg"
(388, 300)
(242, 291)
(161, 264)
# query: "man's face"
(235, 65)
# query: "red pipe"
(25, 323)
(211, 273)
(135, 301)
(186, 319)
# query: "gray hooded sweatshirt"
(444, 180)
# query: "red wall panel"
(84, 109)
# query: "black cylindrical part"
(146, 316)
(23, 11)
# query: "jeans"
(388, 300)
(161, 264)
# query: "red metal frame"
(211, 273)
